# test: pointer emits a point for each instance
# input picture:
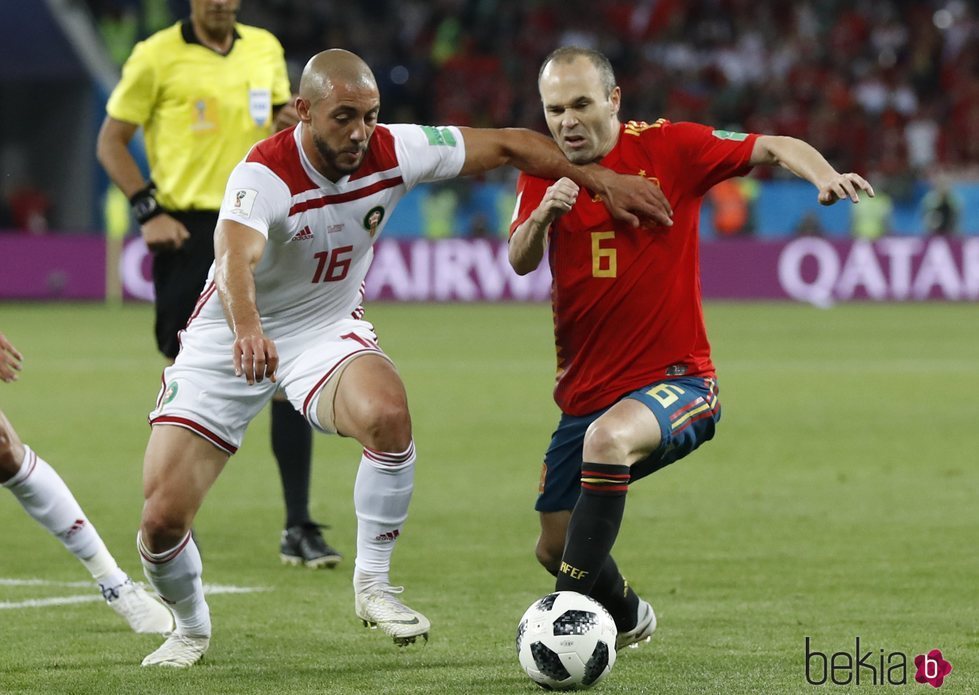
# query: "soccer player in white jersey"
(282, 310)
(45, 497)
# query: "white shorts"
(201, 392)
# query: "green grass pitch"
(839, 499)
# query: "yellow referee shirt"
(201, 111)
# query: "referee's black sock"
(593, 527)
(292, 444)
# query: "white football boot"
(379, 607)
(143, 612)
(179, 651)
(642, 632)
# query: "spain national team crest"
(373, 219)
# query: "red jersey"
(627, 305)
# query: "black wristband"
(144, 205)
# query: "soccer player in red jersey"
(635, 381)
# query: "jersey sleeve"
(530, 191)
(428, 153)
(134, 96)
(706, 156)
(256, 198)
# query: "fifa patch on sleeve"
(241, 201)
(729, 135)
(439, 136)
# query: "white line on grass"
(210, 589)
(40, 582)
(45, 602)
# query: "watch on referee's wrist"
(145, 206)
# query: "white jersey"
(320, 233)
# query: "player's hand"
(164, 233)
(636, 200)
(254, 357)
(558, 199)
(843, 186)
(286, 117)
(10, 360)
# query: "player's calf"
(11, 450)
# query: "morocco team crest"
(373, 219)
(170, 393)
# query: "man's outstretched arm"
(630, 199)
(806, 162)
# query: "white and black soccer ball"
(566, 640)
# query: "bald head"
(328, 68)
(338, 105)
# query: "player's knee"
(11, 453)
(388, 426)
(160, 528)
(605, 443)
(549, 554)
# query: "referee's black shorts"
(178, 277)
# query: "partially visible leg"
(611, 589)
(302, 541)
(560, 487)
(626, 433)
(634, 618)
(292, 445)
(586, 565)
(550, 543)
(371, 406)
(46, 498)
(637, 436)
(11, 450)
(178, 470)
(593, 527)
(178, 278)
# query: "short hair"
(567, 54)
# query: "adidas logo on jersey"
(305, 234)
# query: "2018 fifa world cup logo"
(239, 196)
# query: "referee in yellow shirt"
(204, 91)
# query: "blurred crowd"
(887, 88)
(880, 86)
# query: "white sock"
(43, 494)
(175, 575)
(111, 582)
(381, 496)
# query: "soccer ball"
(565, 641)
